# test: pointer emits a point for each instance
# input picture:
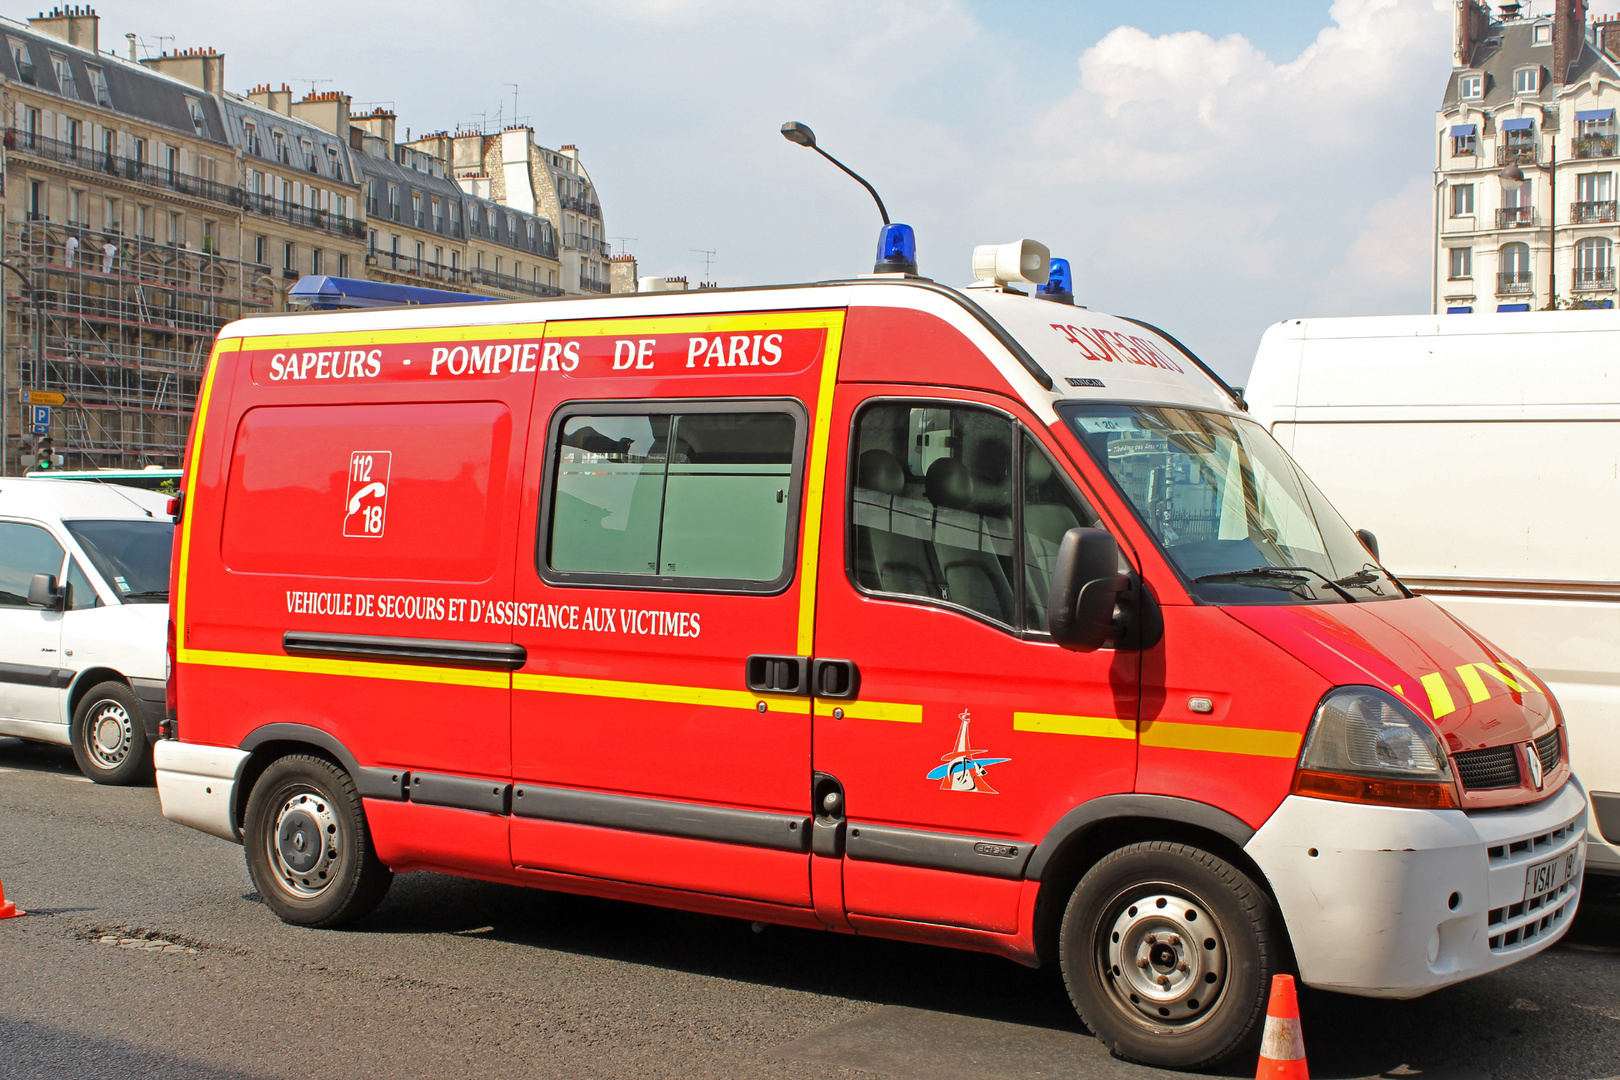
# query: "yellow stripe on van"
(815, 486)
(327, 339)
(893, 712)
(672, 695)
(697, 324)
(199, 417)
(1096, 727)
(1440, 703)
(358, 669)
(1258, 742)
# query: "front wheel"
(1168, 951)
(307, 844)
(109, 740)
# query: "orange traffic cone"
(8, 910)
(1282, 1047)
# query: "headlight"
(1366, 745)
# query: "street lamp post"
(897, 244)
(39, 356)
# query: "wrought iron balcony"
(1516, 153)
(592, 285)
(582, 206)
(1593, 278)
(1511, 217)
(1596, 146)
(1583, 213)
(463, 276)
(21, 141)
(303, 215)
(1512, 282)
(574, 241)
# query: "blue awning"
(1459, 131)
(1518, 125)
(1585, 115)
(1459, 310)
(1512, 307)
(334, 292)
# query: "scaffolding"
(127, 328)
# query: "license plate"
(1544, 877)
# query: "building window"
(109, 145)
(417, 217)
(1542, 34)
(332, 166)
(115, 216)
(75, 135)
(1594, 263)
(250, 136)
(393, 202)
(177, 228)
(1462, 200)
(210, 242)
(139, 146)
(1471, 87)
(64, 76)
(371, 241)
(343, 265)
(199, 119)
(171, 162)
(261, 250)
(24, 61)
(455, 260)
(143, 222)
(78, 202)
(315, 261)
(1527, 80)
(278, 146)
(498, 261)
(1514, 276)
(419, 255)
(37, 200)
(479, 256)
(1462, 263)
(438, 257)
(438, 218)
(289, 255)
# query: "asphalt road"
(146, 953)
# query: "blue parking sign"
(42, 419)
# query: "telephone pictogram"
(366, 510)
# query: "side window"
(935, 508)
(689, 498)
(84, 593)
(25, 550)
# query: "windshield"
(131, 556)
(1234, 514)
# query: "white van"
(84, 610)
(1483, 452)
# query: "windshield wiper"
(146, 594)
(1301, 574)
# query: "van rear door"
(661, 723)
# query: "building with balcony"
(1526, 154)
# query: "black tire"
(295, 801)
(109, 737)
(1168, 953)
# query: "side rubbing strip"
(30, 675)
(727, 825)
(460, 792)
(937, 851)
(482, 654)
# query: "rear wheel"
(1168, 951)
(109, 740)
(308, 847)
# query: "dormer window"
(23, 59)
(64, 76)
(1527, 80)
(1471, 87)
(1542, 34)
(199, 119)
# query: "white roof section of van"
(42, 500)
(1485, 365)
(1028, 320)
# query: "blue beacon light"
(897, 250)
(1059, 287)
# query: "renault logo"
(1532, 758)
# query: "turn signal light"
(1420, 794)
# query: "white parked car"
(84, 612)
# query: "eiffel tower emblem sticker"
(964, 768)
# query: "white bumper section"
(195, 784)
(1387, 902)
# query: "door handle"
(766, 674)
(836, 678)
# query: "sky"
(1209, 167)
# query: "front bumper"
(197, 785)
(1389, 902)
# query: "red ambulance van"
(954, 616)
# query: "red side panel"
(410, 836)
(905, 346)
(934, 896)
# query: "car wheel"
(308, 847)
(108, 737)
(1168, 952)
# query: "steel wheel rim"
(1163, 956)
(109, 732)
(305, 843)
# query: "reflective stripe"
(871, 710)
(814, 486)
(673, 695)
(194, 460)
(698, 324)
(394, 337)
(1097, 727)
(1440, 702)
(1258, 742)
(359, 669)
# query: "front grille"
(1492, 767)
(1547, 747)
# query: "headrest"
(880, 471)
(988, 454)
(949, 485)
(1037, 467)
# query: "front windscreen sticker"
(365, 508)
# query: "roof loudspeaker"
(1002, 264)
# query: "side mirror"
(1368, 541)
(42, 592)
(1086, 587)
